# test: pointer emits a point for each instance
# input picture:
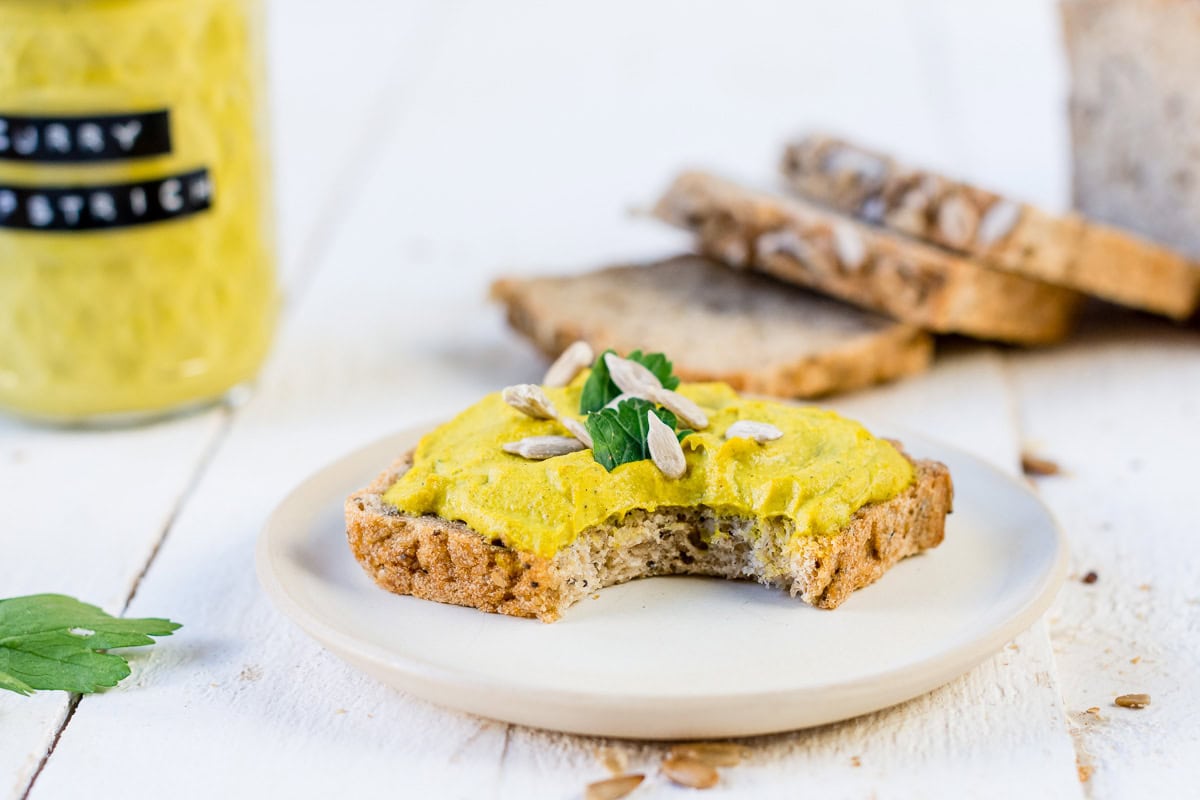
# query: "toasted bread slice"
(754, 333)
(446, 561)
(870, 267)
(1062, 249)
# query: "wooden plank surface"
(394, 330)
(86, 510)
(1119, 410)
(423, 149)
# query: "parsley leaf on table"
(50, 641)
(619, 434)
(599, 390)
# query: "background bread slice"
(1135, 115)
(446, 561)
(755, 333)
(1067, 250)
(912, 281)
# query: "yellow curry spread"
(822, 470)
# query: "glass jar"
(136, 248)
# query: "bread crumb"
(1132, 701)
(1145, 587)
(1094, 711)
(1085, 772)
(855, 761)
(1034, 466)
(1135, 659)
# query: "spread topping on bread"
(753, 458)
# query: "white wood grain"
(527, 132)
(1119, 409)
(85, 510)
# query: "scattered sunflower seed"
(569, 364)
(631, 377)
(688, 412)
(665, 451)
(1038, 467)
(613, 788)
(1000, 218)
(690, 772)
(1133, 700)
(539, 448)
(749, 429)
(714, 754)
(613, 759)
(530, 400)
(577, 430)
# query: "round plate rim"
(915, 678)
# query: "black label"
(96, 137)
(118, 205)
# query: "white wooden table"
(422, 147)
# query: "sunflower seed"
(848, 245)
(530, 400)
(613, 788)
(687, 411)
(749, 429)
(998, 221)
(1133, 700)
(630, 376)
(539, 448)
(569, 364)
(665, 451)
(614, 759)
(577, 430)
(689, 772)
(714, 754)
(957, 220)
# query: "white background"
(425, 147)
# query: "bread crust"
(446, 561)
(1066, 249)
(890, 351)
(867, 266)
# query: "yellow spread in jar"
(822, 470)
(141, 317)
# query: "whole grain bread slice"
(446, 561)
(750, 331)
(1062, 249)
(870, 267)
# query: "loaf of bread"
(1135, 115)
(873, 268)
(1061, 249)
(750, 331)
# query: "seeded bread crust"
(870, 267)
(1066, 250)
(754, 333)
(446, 561)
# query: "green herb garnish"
(619, 434)
(51, 641)
(599, 390)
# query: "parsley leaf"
(599, 389)
(619, 434)
(50, 641)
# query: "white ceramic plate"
(679, 657)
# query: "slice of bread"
(870, 267)
(754, 333)
(446, 561)
(1066, 250)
